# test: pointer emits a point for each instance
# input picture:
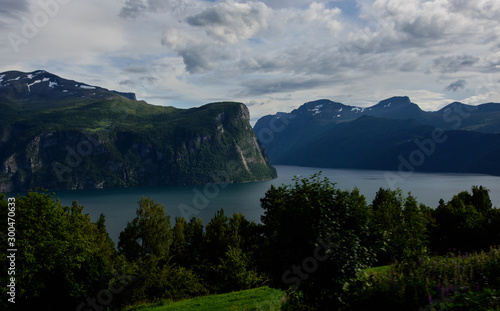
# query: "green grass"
(263, 298)
(380, 269)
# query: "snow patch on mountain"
(357, 109)
(316, 109)
(31, 84)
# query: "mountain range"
(395, 134)
(63, 134)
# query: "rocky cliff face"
(119, 142)
(226, 151)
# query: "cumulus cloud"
(232, 21)
(457, 85)
(319, 14)
(262, 50)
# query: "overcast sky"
(272, 55)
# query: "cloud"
(257, 87)
(13, 8)
(280, 4)
(127, 83)
(196, 59)
(135, 69)
(455, 86)
(133, 8)
(232, 21)
(136, 8)
(450, 64)
(489, 9)
(269, 52)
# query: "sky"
(272, 55)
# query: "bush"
(431, 282)
(317, 239)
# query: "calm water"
(119, 205)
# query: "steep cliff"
(103, 139)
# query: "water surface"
(119, 205)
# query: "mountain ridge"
(96, 138)
(329, 134)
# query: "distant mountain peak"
(458, 105)
(30, 88)
(393, 102)
(318, 106)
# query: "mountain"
(41, 89)
(329, 134)
(62, 134)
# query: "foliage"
(316, 242)
(466, 223)
(319, 229)
(483, 300)
(59, 250)
(148, 234)
(179, 244)
(154, 279)
(402, 225)
(118, 142)
(235, 272)
(433, 282)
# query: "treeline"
(314, 241)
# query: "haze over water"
(119, 205)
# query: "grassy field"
(263, 298)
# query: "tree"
(402, 225)
(415, 229)
(59, 250)
(465, 223)
(386, 214)
(195, 242)
(149, 233)
(178, 247)
(217, 237)
(234, 273)
(317, 238)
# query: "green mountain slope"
(98, 138)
